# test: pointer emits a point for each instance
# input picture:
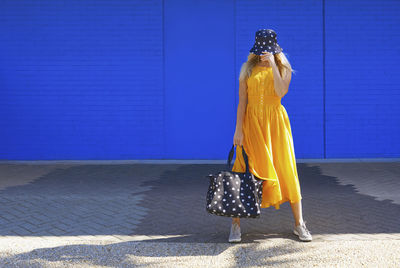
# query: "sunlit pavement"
(153, 215)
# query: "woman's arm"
(242, 104)
(281, 84)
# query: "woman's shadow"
(177, 202)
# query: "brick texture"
(104, 79)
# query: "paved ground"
(153, 215)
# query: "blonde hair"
(253, 59)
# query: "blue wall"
(158, 79)
(362, 78)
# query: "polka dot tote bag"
(234, 194)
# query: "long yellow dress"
(268, 141)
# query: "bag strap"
(230, 156)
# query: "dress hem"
(277, 205)
(273, 180)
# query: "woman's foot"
(302, 232)
(235, 235)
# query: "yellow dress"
(268, 141)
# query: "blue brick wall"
(362, 81)
(158, 79)
(81, 79)
(199, 78)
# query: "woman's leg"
(297, 213)
(237, 219)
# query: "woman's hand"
(238, 138)
(267, 57)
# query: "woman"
(263, 128)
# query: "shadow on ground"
(176, 206)
(170, 200)
(147, 200)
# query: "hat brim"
(275, 49)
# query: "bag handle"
(230, 156)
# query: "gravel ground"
(277, 252)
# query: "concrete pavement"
(153, 215)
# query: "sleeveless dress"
(268, 141)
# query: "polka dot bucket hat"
(266, 41)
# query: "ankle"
(235, 221)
